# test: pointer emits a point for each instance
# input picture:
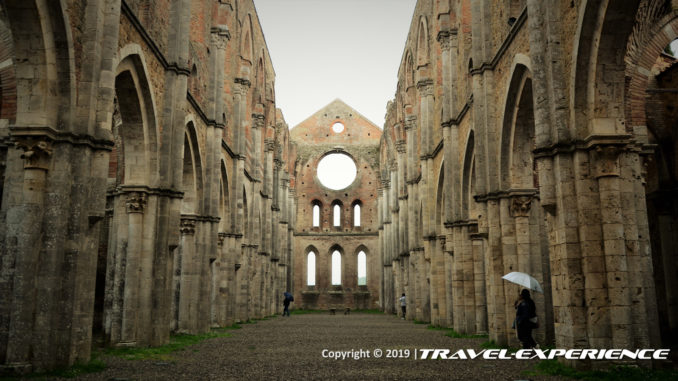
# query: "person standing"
(526, 317)
(403, 304)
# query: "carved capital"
(607, 160)
(520, 206)
(425, 87)
(257, 120)
(220, 36)
(37, 151)
(187, 226)
(410, 122)
(269, 144)
(242, 86)
(136, 202)
(220, 238)
(445, 39)
(218, 40)
(400, 145)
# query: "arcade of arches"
(150, 185)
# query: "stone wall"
(314, 138)
(145, 175)
(516, 143)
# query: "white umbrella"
(524, 280)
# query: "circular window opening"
(338, 127)
(336, 171)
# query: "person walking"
(286, 302)
(526, 319)
(403, 305)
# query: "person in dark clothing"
(526, 311)
(286, 302)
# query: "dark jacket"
(525, 311)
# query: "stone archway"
(133, 170)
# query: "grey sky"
(327, 49)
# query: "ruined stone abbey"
(149, 185)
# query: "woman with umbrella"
(526, 312)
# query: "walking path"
(292, 349)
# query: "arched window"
(362, 269)
(337, 214)
(356, 215)
(310, 269)
(336, 268)
(316, 215)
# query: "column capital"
(400, 145)
(220, 237)
(219, 35)
(269, 144)
(445, 38)
(520, 206)
(410, 122)
(187, 226)
(425, 87)
(37, 151)
(258, 120)
(242, 86)
(607, 160)
(136, 202)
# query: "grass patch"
(450, 332)
(163, 352)
(616, 373)
(306, 312)
(79, 369)
(367, 311)
(419, 321)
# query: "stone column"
(136, 202)
(189, 293)
(478, 250)
(24, 220)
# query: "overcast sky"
(327, 49)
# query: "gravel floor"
(291, 348)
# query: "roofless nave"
(150, 185)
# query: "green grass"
(415, 321)
(306, 312)
(163, 352)
(616, 373)
(368, 311)
(93, 366)
(450, 332)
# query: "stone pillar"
(478, 250)
(24, 219)
(136, 202)
(189, 294)
(496, 300)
